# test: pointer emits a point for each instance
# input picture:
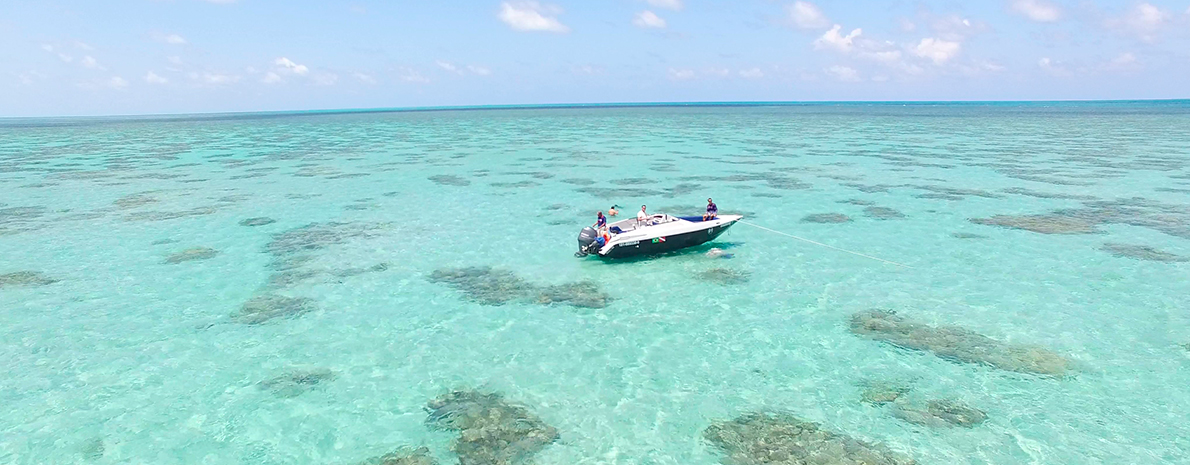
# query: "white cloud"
(531, 16)
(754, 73)
(288, 64)
(956, 28)
(271, 78)
(1123, 62)
(461, 70)
(940, 51)
(833, 40)
(886, 56)
(47, 47)
(214, 78)
(66, 58)
(153, 78)
(1037, 10)
(1053, 67)
(410, 75)
(174, 39)
(83, 46)
(675, 5)
(90, 62)
(843, 73)
(117, 82)
(365, 78)
(174, 59)
(648, 19)
(1144, 20)
(807, 15)
(29, 77)
(681, 74)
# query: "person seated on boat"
(712, 211)
(642, 218)
(613, 210)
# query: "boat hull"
(667, 244)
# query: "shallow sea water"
(122, 354)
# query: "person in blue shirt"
(712, 211)
(600, 221)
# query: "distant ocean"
(331, 287)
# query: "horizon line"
(531, 106)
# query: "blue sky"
(73, 57)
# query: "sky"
(76, 57)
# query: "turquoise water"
(114, 353)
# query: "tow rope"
(824, 245)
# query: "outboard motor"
(588, 242)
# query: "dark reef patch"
(518, 184)
(1141, 252)
(1044, 224)
(783, 439)
(316, 236)
(191, 254)
(419, 456)
(585, 294)
(491, 430)
(633, 181)
(484, 285)
(266, 307)
(579, 181)
(25, 279)
(940, 413)
(164, 216)
(879, 392)
(449, 180)
(257, 221)
(959, 344)
(883, 213)
(489, 286)
(135, 200)
(826, 218)
(963, 235)
(724, 276)
(1046, 195)
(618, 193)
(296, 383)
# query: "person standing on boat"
(600, 221)
(712, 211)
(642, 218)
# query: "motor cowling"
(587, 239)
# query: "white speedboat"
(660, 233)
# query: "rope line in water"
(824, 245)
